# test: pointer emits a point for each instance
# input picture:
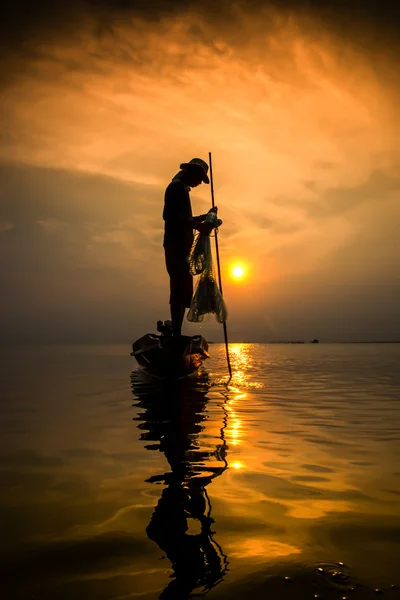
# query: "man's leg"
(183, 310)
(181, 288)
(177, 314)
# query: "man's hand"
(204, 228)
(201, 218)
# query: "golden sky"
(299, 107)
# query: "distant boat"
(164, 357)
(315, 341)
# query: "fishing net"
(207, 298)
(198, 254)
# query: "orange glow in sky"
(305, 144)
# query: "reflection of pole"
(222, 455)
(219, 272)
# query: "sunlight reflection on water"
(290, 468)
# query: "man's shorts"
(181, 281)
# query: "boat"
(165, 357)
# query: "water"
(285, 484)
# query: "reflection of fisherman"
(178, 236)
(197, 559)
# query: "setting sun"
(238, 272)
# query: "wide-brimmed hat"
(198, 162)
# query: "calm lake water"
(114, 489)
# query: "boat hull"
(166, 358)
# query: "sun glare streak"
(265, 548)
(237, 465)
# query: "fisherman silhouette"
(178, 235)
(173, 419)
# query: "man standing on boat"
(178, 235)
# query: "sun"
(238, 272)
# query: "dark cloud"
(260, 220)
(324, 164)
(342, 199)
(28, 31)
(339, 200)
(310, 184)
(277, 226)
(24, 20)
(30, 192)
(62, 263)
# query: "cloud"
(376, 188)
(25, 19)
(51, 225)
(301, 120)
(5, 226)
(79, 245)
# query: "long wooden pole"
(219, 270)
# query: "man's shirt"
(177, 213)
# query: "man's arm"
(200, 226)
(202, 218)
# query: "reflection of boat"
(164, 357)
(172, 418)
